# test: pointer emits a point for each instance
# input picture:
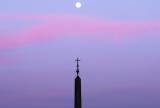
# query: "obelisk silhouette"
(77, 93)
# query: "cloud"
(74, 25)
(7, 60)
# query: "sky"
(117, 41)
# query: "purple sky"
(118, 42)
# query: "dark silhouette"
(77, 95)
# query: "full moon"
(78, 4)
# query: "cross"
(77, 60)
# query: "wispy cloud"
(74, 25)
(7, 60)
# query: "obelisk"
(77, 93)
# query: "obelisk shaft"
(77, 91)
(77, 98)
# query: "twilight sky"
(118, 42)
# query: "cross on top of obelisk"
(77, 70)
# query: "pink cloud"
(7, 60)
(73, 25)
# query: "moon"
(78, 5)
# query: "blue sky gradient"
(117, 41)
